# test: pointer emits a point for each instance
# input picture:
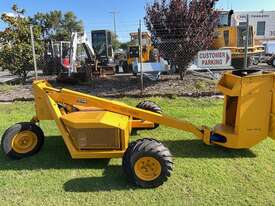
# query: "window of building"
(260, 28)
(242, 24)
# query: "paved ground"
(6, 77)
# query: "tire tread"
(147, 147)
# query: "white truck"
(269, 54)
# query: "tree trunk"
(23, 77)
(182, 72)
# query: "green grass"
(203, 175)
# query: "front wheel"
(147, 163)
(22, 140)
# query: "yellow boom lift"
(93, 127)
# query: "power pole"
(140, 57)
(246, 43)
(33, 52)
(114, 13)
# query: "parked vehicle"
(230, 36)
(270, 52)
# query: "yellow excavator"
(230, 36)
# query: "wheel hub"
(147, 168)
(24, 142)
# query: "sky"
(96, 13)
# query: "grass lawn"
(203, 175)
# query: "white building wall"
(259, 16)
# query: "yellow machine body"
(109, 130)
(248, 110)
(94, 127)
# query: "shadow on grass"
(113, 179)
(54, 155)
(195, 148)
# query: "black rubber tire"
(117, 69)
(147, 148)
(130, 69)
(126, 159)
(256, 62)
(125, 67)
(273, 62)
(6, 141)
(150, 106)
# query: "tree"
(181, 28)
(57, 26)
(124, 45)
(115, 42)
(48, 22)
(16, 52)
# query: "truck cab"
(102, 44)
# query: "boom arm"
(69, 97)
(76, 40)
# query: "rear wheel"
(150, 106)
(255, 60)
(147, 163)
(22, 140)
